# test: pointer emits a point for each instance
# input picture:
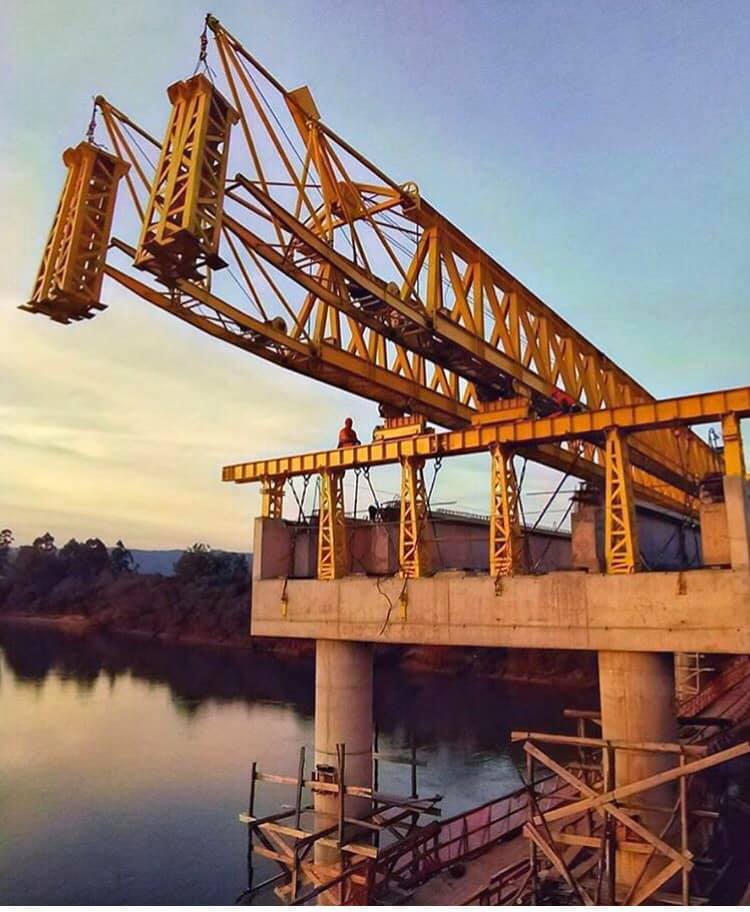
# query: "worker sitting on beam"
(347, 435)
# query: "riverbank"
(216, 614)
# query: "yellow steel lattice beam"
(332, 544)
(505, 526)
(474, 324)
(620, 529)
(69, 281)
(678, 412)
(272, 497)
(414, 553)
(182, 223)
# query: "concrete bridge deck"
(705, 610)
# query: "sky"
(600, 151)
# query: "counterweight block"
(69, 281)
(182, 224)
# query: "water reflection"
(123, 763)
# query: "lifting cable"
(554, 494)
(357, 473)
(428, 511)
(203, 54)
(302, 518)
(90, 129)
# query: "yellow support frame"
(272, 497)
(506, 537)
(413, 549)
(333, 552)
(734, 455)
(620, 528)
(69, 281)
(182, 224)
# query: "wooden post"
(684, 834)
(300, 787)
(414, 790)
(341, 765)
(532, 845)
(608, 770)
(251, 813)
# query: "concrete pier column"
(587, 529)
(343, 715)
(638, 704)
(737, 503)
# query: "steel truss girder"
(442, 341)
(413, 547)
(332, 544)
(500, 318)
(338, 368)
(403, 385)
(506, 536)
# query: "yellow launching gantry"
(354, 279)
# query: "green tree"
(6, 541)
(201, 562)
(122, 559)
(84, 560)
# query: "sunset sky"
(600, 151)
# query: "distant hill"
(156, 561)
(163, 561)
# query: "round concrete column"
(638, 704)
(343, 715)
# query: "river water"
(124, 764)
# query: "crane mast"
(346, 275)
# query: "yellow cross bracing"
(332, 544)
(414, 554)
(505, 525)
(355, 280)
(620, 529)
(68, 285)
(182, 223)
(272, 498)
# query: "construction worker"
(347, 435)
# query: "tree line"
(43, 563)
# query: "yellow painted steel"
(272, 497)
(438, 327)
(69, 281)
(734, 456)
(414, 553)
(677, 412)
(505, 526)
(620, 529)
(182, 224)
(332, 544)
(470, 329)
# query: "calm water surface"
(123, 764)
